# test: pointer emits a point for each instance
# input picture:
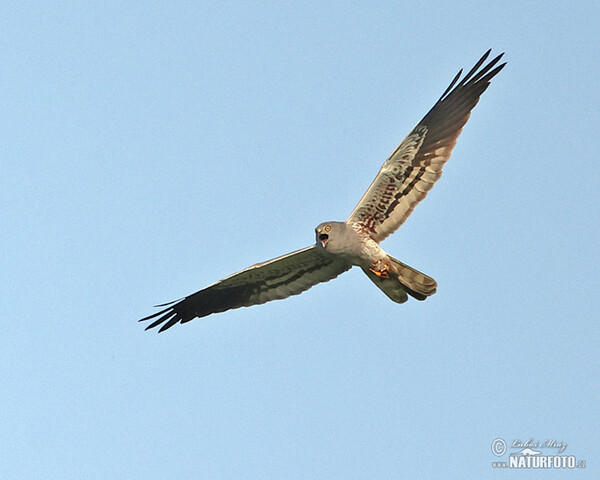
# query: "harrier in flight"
(402, 182)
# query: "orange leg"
(383, 273)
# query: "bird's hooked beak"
(323, 237)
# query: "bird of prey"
(402, 182)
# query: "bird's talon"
(381, 273)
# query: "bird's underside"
(402, 182)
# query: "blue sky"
(149, 149)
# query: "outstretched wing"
(410, 172)
(281, 277)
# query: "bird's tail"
(402, 280)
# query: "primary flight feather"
(402, 182)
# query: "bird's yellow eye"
(327, 228)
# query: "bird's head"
(323, 231)
(330, 236)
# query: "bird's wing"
(412, 169)
(281, 277)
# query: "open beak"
(323, 237)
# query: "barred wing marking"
(275, 279)
(412, 169)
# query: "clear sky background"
(152, 148)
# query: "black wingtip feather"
(486, 69)
(473, 76)
(149, 317)
(477, 65)
(452, 83)
(494, 72)
(169, 303)
(169, 315)
(165, 315)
